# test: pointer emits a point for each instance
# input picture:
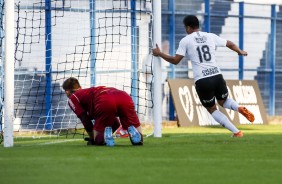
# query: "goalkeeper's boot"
(108, 136)
(135, 136)
(239, 134)
(245, 112)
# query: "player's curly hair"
(70, 84)
(191, 21)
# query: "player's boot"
(108, 136)
(245, 112)
(135, 136)
(239, 134)
(121, 133)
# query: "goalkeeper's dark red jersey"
(104, 105)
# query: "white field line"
(51, 142)
(59, 141)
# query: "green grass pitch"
(193, 155)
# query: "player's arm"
(87, 123)
(171, 59)
(235, 48)
(82, 115)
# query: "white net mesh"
(102, 42)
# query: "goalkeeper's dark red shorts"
(112, 105)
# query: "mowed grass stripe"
(182, 155)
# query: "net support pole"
(1, 72)
(272, 79)
(92, 42)
(9, 75)
(157, 91)
(207, 16)
(48, 64)
(171, 52)
(134, 51)
(241, 39)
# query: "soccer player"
(108, 107)
(200, 48)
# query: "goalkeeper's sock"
(224, 121)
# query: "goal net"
(100, 42)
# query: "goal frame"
(8, 110)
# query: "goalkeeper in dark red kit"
(108, 108)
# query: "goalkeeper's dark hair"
(71, 83)
(191, 21)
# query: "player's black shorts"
(210, 88)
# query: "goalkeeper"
(108, 107)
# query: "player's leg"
(128, 117)
(233, 105)
(223, 120)
(221, 94)
(104, 137)
(99, 138)
(106, 121)
(206, 89)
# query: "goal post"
(100, 42)
(157, 30)
(9, 75)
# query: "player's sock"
(231, 104)
(224, 121)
